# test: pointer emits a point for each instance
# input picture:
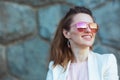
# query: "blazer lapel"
(92, 67)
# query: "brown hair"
(60, 53)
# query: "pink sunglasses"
(82, 26)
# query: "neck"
(80, 54)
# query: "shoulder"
(108, 64)
(52, 67)
(107, 58)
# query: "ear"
(66, 34)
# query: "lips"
(87, 37)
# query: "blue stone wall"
(27, 28)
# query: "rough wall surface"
(28, 26)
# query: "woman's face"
(82, 38)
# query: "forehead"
(81, 17)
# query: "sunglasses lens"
(93, 27)
(81, 27)
(94, 30)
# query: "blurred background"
(27, 28)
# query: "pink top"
(78, 71)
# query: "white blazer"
(100, 67)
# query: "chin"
(88, 45)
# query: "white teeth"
(87, 36)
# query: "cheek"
(94, 34)
(75, 35)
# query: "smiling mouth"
(87, 37)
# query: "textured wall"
(28, 26)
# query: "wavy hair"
(60, 53)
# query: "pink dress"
(78, 71)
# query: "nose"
(88, 29)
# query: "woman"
(71, 55)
